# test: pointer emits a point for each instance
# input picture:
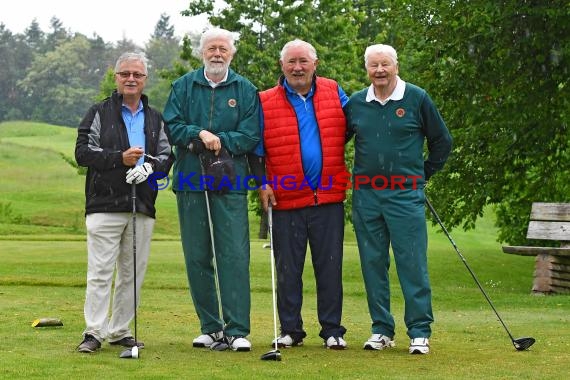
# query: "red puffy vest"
(283, 149)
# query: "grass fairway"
(46, 279)
(42, 274)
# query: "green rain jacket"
(230, 111)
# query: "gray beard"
(216, 69)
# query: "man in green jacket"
(217, 110)
(391, 120)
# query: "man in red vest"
(302, 152)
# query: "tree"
(107, 85)
(100, 58)
(55, 83)
(15, 57)
(35, 36)
(163, 51)
(126, 44)
(57, 36)
(499, 72)
(163, 29)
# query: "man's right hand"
(266, 196)
(132, 155)
(210, 140)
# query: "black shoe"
(90, 344)
(128, 341)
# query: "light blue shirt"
(310, 140)
(135, 127)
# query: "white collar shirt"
(397, 94)
(214, 84)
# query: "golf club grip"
(196, 146)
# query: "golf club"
(220, 345)
(520, 344)
(274, 354)
(133, 352)
(151, 157)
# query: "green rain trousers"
(394, 217)
(231, 238)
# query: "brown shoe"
(90, 344)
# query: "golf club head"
(130, 353)
(522, 344)
(274, 355)
(219, 345)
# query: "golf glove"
(139, 174)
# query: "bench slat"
(533, 251)
(548, 230)
(564, 276)
(550, 211)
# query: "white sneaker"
(286, 341)
(206, 340)
(379, 342)
(239, 343)
(419, 346)
(335, 343)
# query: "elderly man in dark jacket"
(122, 142)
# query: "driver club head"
(274, 355)
(130, 353)
(522, 344)
(219, 345)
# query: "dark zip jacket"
(101, 140)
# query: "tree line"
(55, 76)
(498, 71)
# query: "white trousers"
(110, 247)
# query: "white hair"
(380, 48)
(299, 43)
(215, 33)
(131, 56)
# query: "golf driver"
(220, 345)
(520, 344)
(133, 352)
(274, 354)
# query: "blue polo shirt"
(311, 152)
(135, 127)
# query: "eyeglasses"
(127, 74)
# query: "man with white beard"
(212, 115)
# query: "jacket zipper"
(211, 109)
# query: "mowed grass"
(46, 279)
(42, 274)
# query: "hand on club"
(266, 196)
(139, 174)
(210, 140)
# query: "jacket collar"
(118, 99)
(231, 77)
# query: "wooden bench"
(548, 221)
